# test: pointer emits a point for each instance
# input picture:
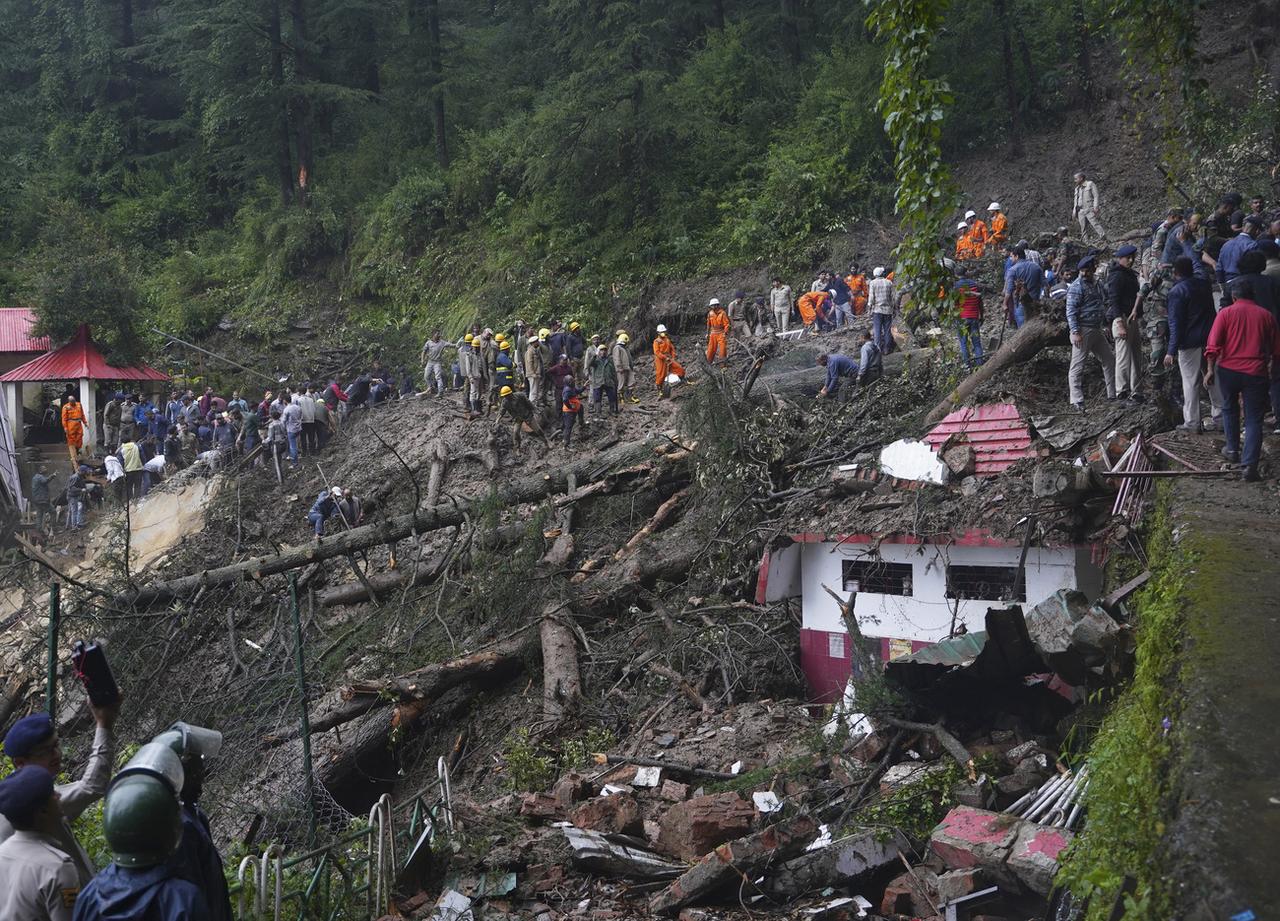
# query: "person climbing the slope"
(718, 327)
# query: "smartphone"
(94, 672)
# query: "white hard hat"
(714, 302)
(962, 226)
(336, 490)
(969, 214)
(879, 270)
(661, 328)
(994, 206)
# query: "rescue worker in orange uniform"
(857, 282)
(964, 243)
(999, 230)
(664, 360)
(812, 306)
(718, 326)
(73, 424)
(977, 233)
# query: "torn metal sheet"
(839, 863)
(618, 855)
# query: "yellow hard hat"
(623, 338)
(505, 392)
(500, 337)
(468, 338)
(504, 346)
(574, 325)
(621, 332)
(544, 333)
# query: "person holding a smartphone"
(34, 740)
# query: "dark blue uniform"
(198, 862)
(150, 894)
(506, 371)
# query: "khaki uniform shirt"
(38, 882)
(76, 798)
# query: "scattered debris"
(618, 855)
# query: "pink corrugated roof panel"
(79, 358)
(16, 324)
(997, 431)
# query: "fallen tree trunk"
(439, 466)
(424, 683)
(806, 382)
(561, 673)
(1026, 343)
(391, 529)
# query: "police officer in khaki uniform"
(38, 882)
(33, 740)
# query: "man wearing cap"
(1124, 310)
(621, 354)
(33, 740)
(324, 508)
(1085, 206)
(718, 326)
(882, 300)
(999, 225)
(1191, 314)
(1086, 312)
(977, 233)
(38, 882)
(521, 410)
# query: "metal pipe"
(1075, 812)
(1042, 805)
(234, 364)
(305, 718)
(1044, 792)
(51, 687)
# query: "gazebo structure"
(17, 344)
(78, 360)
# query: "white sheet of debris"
(909, 459)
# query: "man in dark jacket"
(1124, 311)
(1191, 315)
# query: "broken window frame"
(875, 576)
(987, 582)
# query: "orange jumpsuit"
(978, 237)
(810, 304)
(73, 425)
(964, 246)
(664, 360)
(718, 325)
(999, 229)
(858, 285)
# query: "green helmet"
(141, 820)
(141, 817)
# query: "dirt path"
(1225, 841)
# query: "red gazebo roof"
(15, 331)
(78, 358)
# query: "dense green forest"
(180, 161)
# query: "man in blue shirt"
(1086, 314)
(1191, 313)
(837, 366)
(1244, 242)
(1023, 285)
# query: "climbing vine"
(913, 104)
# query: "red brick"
(695, 827)
(618, 814)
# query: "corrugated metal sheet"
(79, 358)
(997, 431)
(15, 331)
(959, 650)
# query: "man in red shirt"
(970, 327)
(1243, 343)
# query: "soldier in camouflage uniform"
(1153, 296)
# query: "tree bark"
(435, 66)
(1010, 92)
(284, 151)
(1036, 334)
(439, 466)
(561, 673)
(395, 528)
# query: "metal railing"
(352, 877)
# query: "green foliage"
(914, 808)
(529, 764)
(74, 275)
(1129, 778)
(913, 103)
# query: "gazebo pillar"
(89, 406)
(13, 411)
